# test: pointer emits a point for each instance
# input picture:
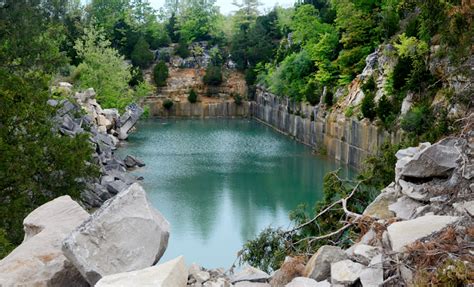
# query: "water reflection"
(219, 182)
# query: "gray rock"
(52, 102)
(364, 253)
(319, 266)
(379, 208)
(169, 274)
(465, 207)
(418, 192)
(405, 207)
(407, 232)
(125, 234)
(437, 160)
(251, 284)
(116, 186)
(373, 275)
(39, 261)
(128, 120)
(250, 274)
(131, 161)
(346, 272)
(307, 282)
(219, 282)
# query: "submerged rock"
(169, 274)
(39, 260)
(125, 234)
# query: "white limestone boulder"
(307, 282)
(169, 274)
(319, 266)
(39, 260)
(346, 272)
(127, 233)
(401, 234)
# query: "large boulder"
(319, 266)
(169, 274)
(437, 160)
(39, 260)
(407, 232)
(345, 272)
(379, 208)
(125, 234)
(250, 274)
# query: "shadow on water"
(219, 182)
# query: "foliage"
(450, 273)
(168, 104)
(104, 69)
(417, 120)
(379, 170)
(329, 98)
(197, 20)
(5, 245)
(213, 75)
(143, 89)
(160, 74)
(238, 99)
(386, 113)
(37, 165)
(368, 106)
(141, 55)
(137, 76)
(182, 50)
(192, 97)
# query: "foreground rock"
(169, 274)
(39, 260)
(125, 234)
(404, 233)
(319, 266)
(345, 272)
(250, 274)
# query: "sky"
(226, 5)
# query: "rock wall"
(185, 109)
(348, 140)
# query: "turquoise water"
(219, 182)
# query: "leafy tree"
(141, 55)
(160, 74)
(107, 13)
(104, 69)
(197, 20)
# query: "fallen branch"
(342, 201)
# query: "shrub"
(368, 106)
(182, 50)
(141, 55)
(213, 76)
(137, 76)
(192, 97)
(385, 112)
(250, 77)
(379, 169)
(238, 99)
(349, 111)
(417, 120)
(329, 99)
(168, 104)
(160, 74)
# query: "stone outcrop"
(105, 128)
(169, 274)
(125, 234)
(39, 260)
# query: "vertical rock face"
(39, 260)
(125, 234)
(169, 274)
(346, 139)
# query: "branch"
(343, 201)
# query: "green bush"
(182, 50)
(329, 99)
(160, 74)
(168, 104)
(137, 76)
(418, 120)
(192, 97)
(385, 112)
(213, 76)
(238, 99)
(368, 106)
(141, 55)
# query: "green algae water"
(220, 182)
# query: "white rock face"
(307, 282)
(39, 261)
(345, 272)
(404, 233)
(125, 234)
(169, 274)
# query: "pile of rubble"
(106, 128)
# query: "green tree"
(160, 74)
(141, 55)
(192, 97)
(213, 76)
(104, 69)
(197, 20)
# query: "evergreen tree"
(141, 55)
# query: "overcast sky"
(227, 7)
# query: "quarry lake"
(219, 182)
